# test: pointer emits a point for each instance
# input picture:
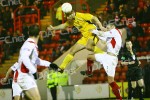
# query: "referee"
(134, 73)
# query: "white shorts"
(26, 82)
(109, 62)
(16, 89)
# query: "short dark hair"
(125, 48)
(34, 30)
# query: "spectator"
(122, 11)
(124, 21)
(122, 2)
(109, 2)
(40, 42)
(147, 79)
(6, 18)
(146, 15)
(138, 14)
(132, 4)
(116, 3)
(67, 45)
(148, 5)
(148, 45)
(1, 15)
(12, 17)
(128, 11)
(25, 31)
(117, 18)
(138, 30)
(57, 54)
(112, 8)
(21, 10)
(17, 33)
(2, 32)
(135, 43)
(30, 2)
(59, 45)
(73, 42)
(53, 53)
(40, 5)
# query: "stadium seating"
(148, 32)
(96, 72)
(86, 80)
(94, 80)
(144, 53)
(118, 69)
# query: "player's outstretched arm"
(98, 33)
(13, 68)
(4, 80)
(45, 63)
(59, 27)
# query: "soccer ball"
(66, 7)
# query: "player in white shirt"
(109, 59)
(15, 87)
(28, 61)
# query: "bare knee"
(110, 79)
(16, 97)
(133, 84)
(72, 52)
(141, 82)
(90, 49)
(33, 94)
(35, 97)
(91, 57)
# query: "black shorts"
(134, 74)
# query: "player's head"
(110, 26)
(128, 45)
(67, 9)
(34, 30)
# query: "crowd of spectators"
(134, 14)
(53, 47)
(10, 38)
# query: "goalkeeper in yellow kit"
(81, 22)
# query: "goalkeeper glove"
(53, 66)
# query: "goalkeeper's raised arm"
(59, 27)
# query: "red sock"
(89, 66)
(116, 90)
